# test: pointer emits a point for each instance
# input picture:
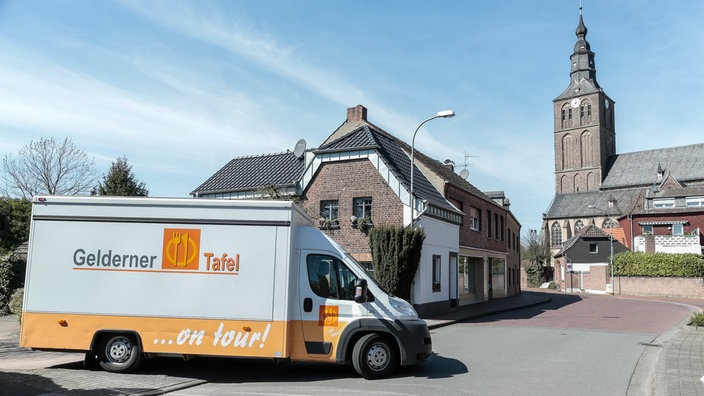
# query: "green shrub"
(697, 319)
(659, 265)
(14, 222)
(395, 257)
(535, 273)
(16, 303)
(553, 286)
(12, 270)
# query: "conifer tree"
(120, 181)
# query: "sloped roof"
(591, 231)
(564, 206)
(254, 172)
(639, 169)
(368, 136)
(578, 88)
(363, 136)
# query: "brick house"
(359, 177)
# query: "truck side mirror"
(360, 291)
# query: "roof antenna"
(465, 172)
(580, 7)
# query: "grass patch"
(697, 319)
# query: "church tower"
(584, 124)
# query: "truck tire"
(119, 353)
(375, 356)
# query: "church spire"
(582, 58)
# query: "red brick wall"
(477, 239)
(661, 287)
(513, 247)
(344, 181)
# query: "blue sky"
(180, 88)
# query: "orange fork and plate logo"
(181, 249)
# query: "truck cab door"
(327, 288)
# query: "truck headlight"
(403, 307)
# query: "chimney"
(356, 114)
(449, 164)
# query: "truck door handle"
(308, 304)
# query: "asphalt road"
(577, 345)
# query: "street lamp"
(440, 114)
(611, 240)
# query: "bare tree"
(537, 253)
(48, 167)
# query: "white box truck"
(125, 279)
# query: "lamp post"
(440, 114)
(611, 242)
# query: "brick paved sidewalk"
(681, 366)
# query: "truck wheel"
(374, 356)
(119, 353)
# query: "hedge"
(12, 270)
(659, 265)
(395, 257)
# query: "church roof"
(571, 205)
(578, 88)
(639, 169)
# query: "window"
(578, 226)
(593, 248)
(555, 234)
(362, 207)
(678, 229)
(498, 274)
(664, 203)
(488, 224)
(467, 275)
(647, 230)
(502, 228)
(585, 112)
(329, 211)
(496, 225)
(330, 277)
(437, 271)
(693, 202)
(474, 219)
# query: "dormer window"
(695, 202)
(663, 203)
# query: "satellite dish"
(300, 148)
(464, 173)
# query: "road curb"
(438, 323)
